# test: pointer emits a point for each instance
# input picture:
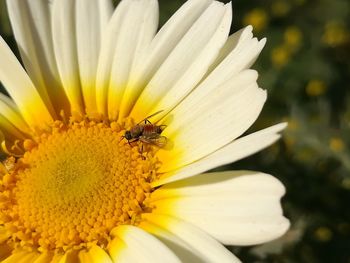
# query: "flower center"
(78, 183)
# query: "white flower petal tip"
(234, 151)
(249, 28)
(263, 41)
(237, 208)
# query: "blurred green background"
(305, 67)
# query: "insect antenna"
(150, 116)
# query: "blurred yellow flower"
(305, 155)
(336, 144)
(293, 37)
(315, 88)
(280, 8)
(280, 56)
(257, 18)
(335, 34)
(323, 234)
(346, 185)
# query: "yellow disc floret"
(73, 186)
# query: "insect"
(146, 132)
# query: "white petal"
(146, 35)
(237, 208)
(198, 67)
(239, 53)
(232, 152)
(65, 47)
(88, 45)
(162, 45)
(239, 39)
(91, 19)
(21, 89)
(105, 60)
(136, 32)
(182, 115)
(132, 244)
(32, 28)
(212, 123)
(230, 64)
(188, 242)
(181, 68)
(106, 10)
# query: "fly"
(146, 132)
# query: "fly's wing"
(159, 141)
(150, 116)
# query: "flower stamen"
(74, 185)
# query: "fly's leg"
(141, 152)
(131, 141)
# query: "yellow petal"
(69, 257)
(21, 257)
(4, 235)
(56, 258)
(94, 255)
(10, 132)
(5, 251)
(9, 109)
(44, 258)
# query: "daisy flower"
(80, 185)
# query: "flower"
(74, 190)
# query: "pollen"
(73, 185)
